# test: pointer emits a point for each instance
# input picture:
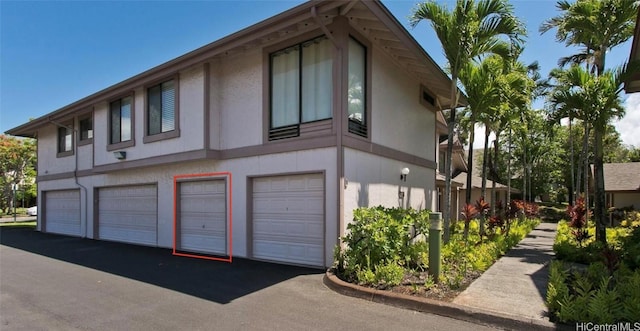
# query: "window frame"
(149, 138)
(67, 126)
(368, 73)
(297, 129)
(87, 141)
(429, 104)
(127, 143)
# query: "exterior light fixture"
(120, 155)
(403, 174)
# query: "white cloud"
(478, 141)
(629, 125)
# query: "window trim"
(80, 141)
(326, 126)
(132, 141)
(149, 138)
(66, 125)
(368, 73)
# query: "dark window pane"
(154, 99)
(86, 128)
(125, 119)
(115, 122)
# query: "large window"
(161, 108)
(301, 86)
(65, 140)
(120, 120)
(357, 93)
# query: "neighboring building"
(622, 184)
(313, 112)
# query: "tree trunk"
(494, 175)
(446, 215)
(585, 170)
(467, 196)
(599, 194)
(572, 195)
(508, 197)
(484, 175)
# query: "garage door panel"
(203, 216)
(62, 214)
(288, 219)
(128, 214)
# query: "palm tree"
(596, 26)
(482, 95)
(470, 30)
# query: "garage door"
(203, 217)
(62, 212)
(288, 219)
(128, 214)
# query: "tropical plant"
(17, 165)
(468, 31)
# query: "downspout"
(75, 172)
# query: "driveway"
(51, 282)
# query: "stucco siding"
(240, 103)
(621, 200)
(373, 180)
(48, 162)
(399, 121)
(191, 95)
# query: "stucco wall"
(374, 180)
(240, 99)
(191, 123)
(48, 162)
(627, 199)
(398, 119)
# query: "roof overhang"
(371, 18)
(633, 84)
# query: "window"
(121, 123)
(65, 141)
(442, 159)
(161, 108)
(301, 87)
(86, 130)
(357, 93)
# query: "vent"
(356, 127)
(284, 132)
(428, 98)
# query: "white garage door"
(128, 214)
(288, 219)
(62, 212)
(203, 217)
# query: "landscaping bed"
(387, 249)
(593, 282)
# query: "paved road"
(50, 282)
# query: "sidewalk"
(509, 295)
(516, 284)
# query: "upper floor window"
(86, 129)
(301, 86)
(121, 123)
(357, 89)
(65, 141)
(161, 103)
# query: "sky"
(53, 53)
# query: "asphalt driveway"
(51, 282)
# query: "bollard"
(435, 242)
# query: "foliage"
(380, 249)
(17, 166)
(608, 289)
(380, 236)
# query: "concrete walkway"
(516, 285)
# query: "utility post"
(435, 243)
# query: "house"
(258, 145)
(622, 184)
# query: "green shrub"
(380, 236)
(389, 274)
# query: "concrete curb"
(442, 308)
